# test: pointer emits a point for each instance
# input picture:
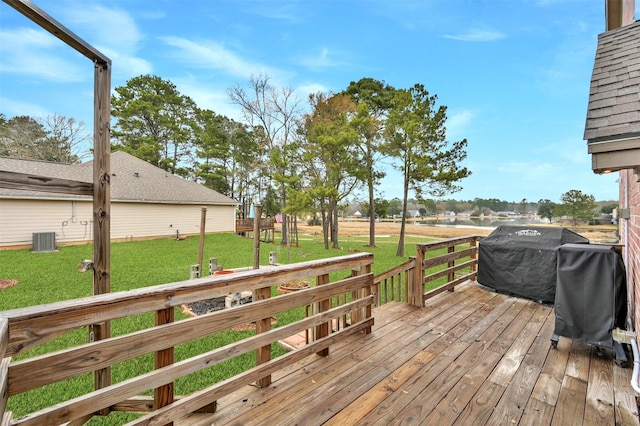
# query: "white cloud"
(477, 35)
(36, 53)
(531, 170)
(207, 96)
(12, 108)
(319, 59)
(113, 32)
(123, 64)
(458, 123)
(113, 28)
(214, 56)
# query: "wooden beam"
(102, 202)
(24, 181)
(41, 18)
(164, 395)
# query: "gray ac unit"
(44, 241)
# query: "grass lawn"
(50, 277)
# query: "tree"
(154, 123)
(608, 209)
(578, 205)
(546, 209)
(22, 137)
(277, 113)
(374, 99)
(523, 206)
(54, 138)
(429, 204)
(331, 155)
(417, 138)
(382, 206)
(395, 207)
(227, 153)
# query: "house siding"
(135, 220)
(72, 220)
(630, 238)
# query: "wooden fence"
(439, 266)
(24, 329)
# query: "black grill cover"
(521, 260)
(591, 297)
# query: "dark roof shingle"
(132, 179)
(614, 97)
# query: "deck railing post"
(322, 330)
(416, 288)
(452, 275)
(408, 279)
(263, 354)
(102, 205)
(366, 291)
(474, 256)
(4, 366)
(164, 395)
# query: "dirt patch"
(7, 282)
(361, 229)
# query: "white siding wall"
(72, 220)
(144, 220)
(19, 219)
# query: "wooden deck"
(471, 357)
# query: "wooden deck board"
(471, 357)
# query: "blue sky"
(514, 74)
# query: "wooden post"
(203, 223)
(263, 354)
(416, 289)
(474, 256)
(322, 330)
(101, 162)
(451, 275)
(102, 204)
(164, 395)
(4, 365)
(365, 293)
(257, 215)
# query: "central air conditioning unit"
(44, 241)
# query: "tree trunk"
(325, 228)
(405, 196)
(372, 214)
(334, 228)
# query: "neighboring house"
(613, 129)
(146, 202)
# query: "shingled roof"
(132, 179)
(614, 99)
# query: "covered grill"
(522, 260)
(591, 296)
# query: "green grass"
(50, 277)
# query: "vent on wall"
(44, 241)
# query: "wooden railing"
(451, 261)
(458, 264)
(29, 328)
(393, 285)
(247, 225)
